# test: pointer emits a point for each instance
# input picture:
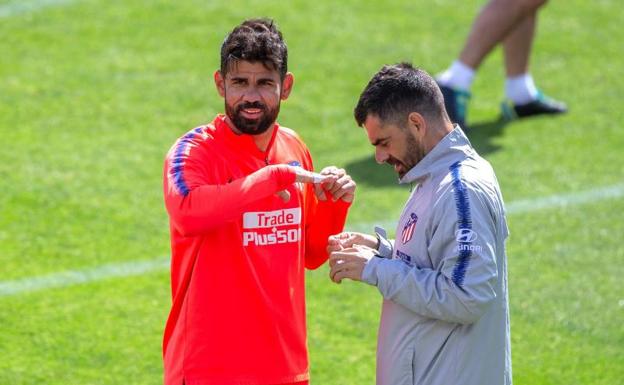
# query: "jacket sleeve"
(327, 219)
(323, 218)
(461, 285)
(196, 205)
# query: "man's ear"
(417, 124)
(287, 85)
(219, 83)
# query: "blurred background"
(93, 93)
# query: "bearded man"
(246, 216)
(445, 316)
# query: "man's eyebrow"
(378, 141)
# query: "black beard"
(414, 154)
(252, 126)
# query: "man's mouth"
(398, 166)
(252, 113)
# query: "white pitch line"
(21, 7)
(76, 277)
(564, 200)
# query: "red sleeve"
(328, 219)
(195, 206)
(324, 218)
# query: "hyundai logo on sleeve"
(465, 236)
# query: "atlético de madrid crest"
(408, 229)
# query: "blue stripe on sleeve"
(464, 222)
(179, 158)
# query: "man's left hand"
(350, 262)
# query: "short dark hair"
(396, 91)
(255, 40)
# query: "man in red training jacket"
(246, 216)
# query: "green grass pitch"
(93, 93)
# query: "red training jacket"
(238, 256)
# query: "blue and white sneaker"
(543, 105)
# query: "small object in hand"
(318, 178)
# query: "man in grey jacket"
(445, 317)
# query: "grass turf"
(93, 93)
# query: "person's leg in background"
(509, 21)
(523, 97)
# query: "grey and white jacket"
(445, 316)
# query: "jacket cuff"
(339, 205)
(369, 274)
(284, 175)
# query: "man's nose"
(380, 155)
(251, 95)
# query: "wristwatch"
(384, 246)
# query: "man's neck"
(436, 136)
(263, 140)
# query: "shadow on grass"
(482, 135)
(366, 170)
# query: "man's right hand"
(349, 239)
